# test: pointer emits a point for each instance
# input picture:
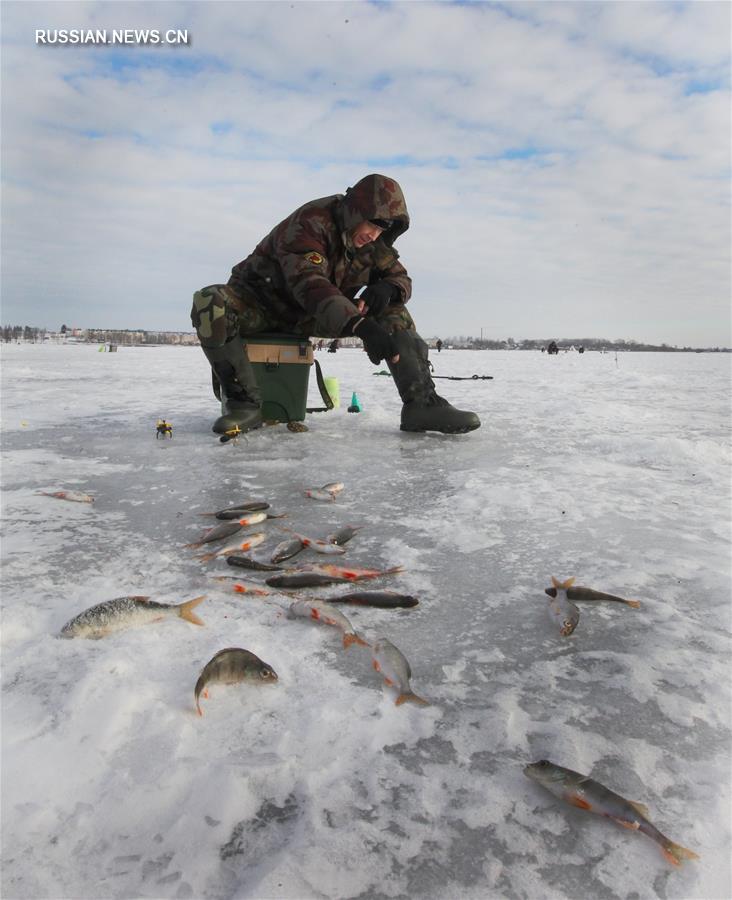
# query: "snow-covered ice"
(613, 470)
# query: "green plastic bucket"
(281, 364)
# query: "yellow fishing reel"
(163, 429)
(232, 434)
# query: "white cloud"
(133, 176)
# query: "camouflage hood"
(375, 197)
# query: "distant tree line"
(136, 337)
(22, 333)
(124, 337)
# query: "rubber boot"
(424, 409)
(241, 403)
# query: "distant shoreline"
(129, 338)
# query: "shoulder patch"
(315, 258)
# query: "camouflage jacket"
(307, 269)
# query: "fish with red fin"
(585, 793)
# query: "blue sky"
(566, 165)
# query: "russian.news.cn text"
(103, 36)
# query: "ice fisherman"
(303, 278)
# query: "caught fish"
(232, 666)
(561, 610)
(125, 612)
(228, 528)
(344, 534)
(581, 791)
(76, 496)
(353, 573)
(241, 588)
(329, 615)
(583, 593)
(303, 578)
(320, 494)
(248, 562)
(333, 487)
(239, 543)
(226, 515)
(287, 549)
(380, 599)
(237, 511)
(254, 518)
(325, 547)
(216, 534)
(320, 546)
(394, 668)
(229, 514)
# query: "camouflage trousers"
(219, 315)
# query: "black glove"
(378, 296)
(376, 341)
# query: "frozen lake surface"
(615, 471)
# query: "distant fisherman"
(125, 612)
(232, 666)
(583, 792)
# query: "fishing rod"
(465, 377)
(451, 377)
